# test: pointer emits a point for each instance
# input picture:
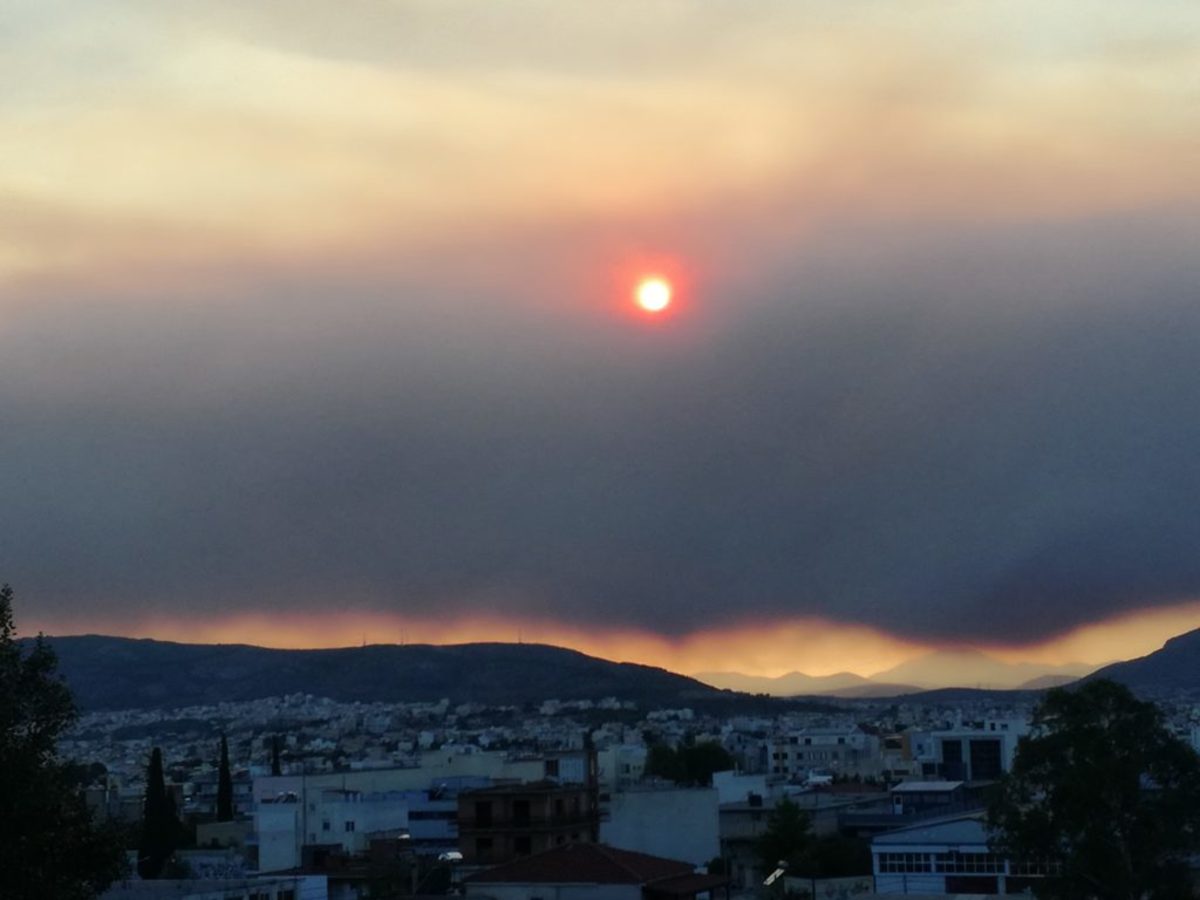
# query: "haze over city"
(321, 324)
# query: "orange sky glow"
(813, 646)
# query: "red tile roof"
(583, 864)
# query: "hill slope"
(1173, 668)
(123, 673)
(974, 669)
(790, 685)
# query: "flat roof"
(926, 787)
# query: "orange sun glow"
(653, 294)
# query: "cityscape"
(559, 450)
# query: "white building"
(620, 765)
(737, 787)
(946, 856)
(677, 823)
(347, 818)
(842, 751)
(981, 752)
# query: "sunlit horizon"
(813, 647)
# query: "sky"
(316, 325)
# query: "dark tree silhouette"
(224, 785)
(693, 764)
(276, 765)
(51, 846)
(788, 836)
(1104, 795)
(160, 822)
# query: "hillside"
(973, 669)
(790, 685)
(1174, 668)
(123, 673)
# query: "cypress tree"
(224, 785)
(276, 765)
(160, 825)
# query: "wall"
(555, 892)
(676, 823)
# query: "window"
(523, 845)
(483, 813)
(520, 812)
(560, 807)
(905, 862)
(970, 863)
(349, 825)
(325, 826)
(986, 759)
(552, 768)
(483, 847)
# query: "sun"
(653, 294)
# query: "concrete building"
(738, 787)
(621, 765)
(501, 823)
(843, 751)
(435, 767)
(674, 822)
(345, 819)
(980, 752)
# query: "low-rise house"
(946, 856)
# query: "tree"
(224, 785)
(276, 765)
(1104, 795)
(694, 764)
(833, 856)
(52, 847)
(788, 836)
(160, 821)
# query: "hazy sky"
(315, 320)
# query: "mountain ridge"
(106, 672)
(1175, 666)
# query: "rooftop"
(584, 864)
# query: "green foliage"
(1104, 793)
(787, 837)
(689, 765)
(224, 785)
(51, 848)
(833, 856)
